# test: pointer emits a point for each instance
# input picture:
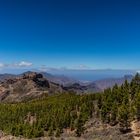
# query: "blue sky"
(84, 34)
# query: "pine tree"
(79, 126)
(58, 132)
(114, 113)
(99, 102)
(137, 105)
(50, 131)
(135, 85)
(124, 117)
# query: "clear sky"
(96, 34)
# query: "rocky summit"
(27, 86)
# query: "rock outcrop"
(27, 86)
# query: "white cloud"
(46, 69)
(82, 67)
(24, 64)
(16, 65)
(1, 65)
(138, 71)
(43, 68)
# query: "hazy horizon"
(80, 75)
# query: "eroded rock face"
(10, 81)
(37, 78)
(32, 75)
(42, 82)
(29, 85)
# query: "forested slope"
(51, 115)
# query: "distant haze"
(80, 75)
(93, 75)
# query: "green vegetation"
(121, 105)
(51, 115)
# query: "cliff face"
(28, 86)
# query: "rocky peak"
(32, 75)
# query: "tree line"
(49, 116)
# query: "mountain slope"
(60, 79)
(27, 86)
(112, 114)
(80, 89)
(106, 83)
(6, 76)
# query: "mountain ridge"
(64, 83)
(27, 86)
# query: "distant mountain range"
(6, 76)
(60, 79)
(99, 85)
(110, 82)
(64, 83)
(88, 86)
(93, 75)
(90, 75)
